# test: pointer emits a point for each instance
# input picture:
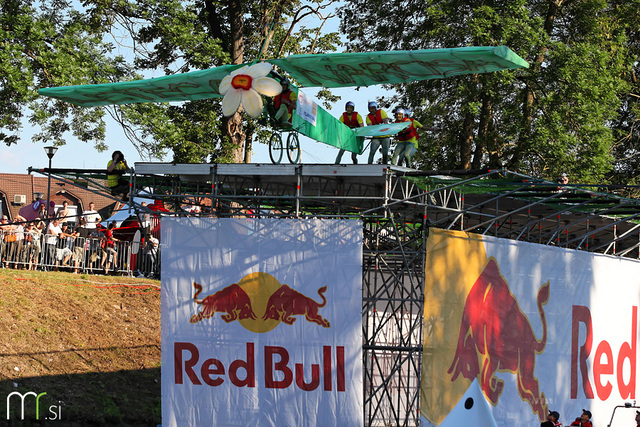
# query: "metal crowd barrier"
(36, 251)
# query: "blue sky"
(79, 155)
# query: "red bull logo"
(260, 303)
(496, 333)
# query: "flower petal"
(241, 70)
(258, 70)
(231, 102)
(252, 103)
(267, 86)
(225, 84)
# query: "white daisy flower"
(244, 86)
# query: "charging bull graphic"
(233, 301)
(287, 302)
(495, 330)
(260, 303)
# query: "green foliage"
(563, 114)
(63, 43)
(51, 45)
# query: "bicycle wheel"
(293, 148)
(275, 148)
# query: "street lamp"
(51, 151)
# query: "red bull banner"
(533, 328)
(261, 322)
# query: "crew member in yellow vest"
(352, 119)
(116, 167)
(407, 140)
(376, 117)
(285, 103)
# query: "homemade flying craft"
(244, 84)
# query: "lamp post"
(51, 151)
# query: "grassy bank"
(91, 343)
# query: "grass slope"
(92, 343)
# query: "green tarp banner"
(381, 130)
(318, 124)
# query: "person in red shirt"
(352, 119)
(378, 116)
(583, 420)
(109, 248)
(285, 103)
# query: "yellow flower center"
(241, 81)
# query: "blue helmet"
(373, 104)
(400, 111)
(349, 104)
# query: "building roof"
(27, 185)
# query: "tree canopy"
(569, 112)
(61, 43)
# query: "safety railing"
(36, 251)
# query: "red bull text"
(605, 363)
(279, 373)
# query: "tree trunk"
(248, 146)
(466, 139)
(527, 107)
(233, 125)
(486, 117)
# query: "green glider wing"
(201, 84)
(372, 68)
(328, 70)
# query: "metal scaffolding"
(397, 207)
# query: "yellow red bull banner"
(261, 322)
(536, 328)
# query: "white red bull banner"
(261, 322)
(539, 328)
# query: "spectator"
(583, 420)
(552, 420)
(54, 232)
(91, 217)
(109, 249)
(63, 212)
(144, 217)
(151, 256)
(43, 213)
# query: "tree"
(59, 45)
(554, 117)
(50, 46)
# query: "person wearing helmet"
(377, 116)
(352, 119)
(407, 140)
(285, 103)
